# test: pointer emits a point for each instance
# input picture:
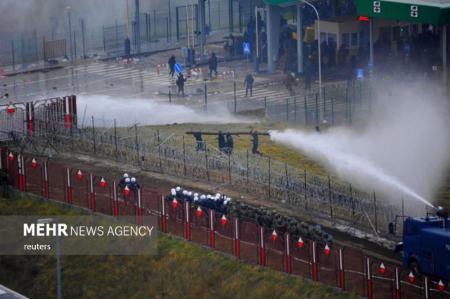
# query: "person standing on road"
(290, 82)
(180, 84)
(199, 141)
(255, 143)
(212, 63)
(172, 61)
(221, 139)
(248, 83)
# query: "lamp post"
(318, 46)
(58, 258)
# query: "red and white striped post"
(115, 200)
(262, 247)
(288, 253)
(212, 231)
(139, 207)
(314, 269)
(69, 193)
(46, 184)
(163, 215)
(398, 294)
(237, 244)
(426, 287)
(369, 279)
(67, 118)
(21, 172)
(341, 270)
(29, 115)
(91, 192)
(187, 221)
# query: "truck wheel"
(414, 268)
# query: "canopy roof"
(416, 11)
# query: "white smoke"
(145, 112)
(402, 152)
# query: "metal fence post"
(229, 168)
(306, 111)
(212, 232)
(332, 111)
(288, 253)
(305, 190)
(184, 157)
(317, 110)
(287, 109)
(375, 210)
(115, 140)
(93, 136)
(206, 161)
(426, 287)
(330, 197)
(261, 247)
(68, 186)
(265, 103)
(235, 97)
(91, 192)
(398, 293)
(46, 183)
(136, 140)
(187, 221)
(295, 109)
(369, 279)
(13, 55)
(115, 200)
(246, 172)
(163, 215)
(341, 270)
(352, 201)
(205, 107)
(269, 176)
(314, 275)
(139, 206)
(236, 236)
(170, 96)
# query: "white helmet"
(190, 193)
(125, 175)
(195, 198)
(217, 195)
(185, 192)
(178, 189)
(173, 192)
(202, 196)
(127, 180)
(133, 180)
(195, 194)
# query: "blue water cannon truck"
(426, 245)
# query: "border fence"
(342, 267)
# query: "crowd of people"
(217, 202)
(130, 182)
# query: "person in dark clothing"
(125, 180)
(199, 141)
(290, 82)
(134, 185)
(180, 83)
(248, 83)
(172, 63)
(212, 63)
(255, 143)
(222, 143)
(229, 144)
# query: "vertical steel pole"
(237, 252)
(288, 253)
(262, 248)
(212, 233)
(92, 192)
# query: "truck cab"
(426, 246)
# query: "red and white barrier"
(139, 207)
(69, 191)
(288, 253)
(398, 294)
(314, 268)
(91, 192)
(262, 247)
(212, 232)
(115, 200)
(237, 247)
(163, 215)
(369, 279)
(341, 270)
(187, 221)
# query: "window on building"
(354, 39)
(345, 39)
